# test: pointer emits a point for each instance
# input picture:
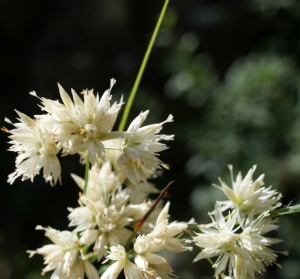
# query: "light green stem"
(285, 210)
(86, 175)
(141, 70)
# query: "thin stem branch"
(285, 211)
(141, 70)
(86, 174)
(140, 223)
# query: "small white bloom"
(220, 240)
(153, 265)
(102, 182)
(168, 234)
(64, 256)
(37, 149)
(83, 125)
(254, 241)
(140, 148)
(244, 254)
(107, 214)
(163, 236)
(118, 254)
(248, 196)
(104, 222)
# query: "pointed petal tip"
(112, 82)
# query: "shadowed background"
(228, 71)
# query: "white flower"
(140, 147)
(153, 265)
(118, 254)
(139, 192)
(248, 196)
(63, 256)
(102, 182)
(150, 263)
(254, 241)
(247, 252)
(107, 214)
(220, 240)
(163, 236)
(169, 234)
(37, 149)
(83, 125)
(104, 222)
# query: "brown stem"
(140, 223)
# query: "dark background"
(227, 70)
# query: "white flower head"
(249, 196)
(152, 264)
(254, 241)
(163, 235)
(104, 221)
(118, 254)
(83, 125)
(141, 147)
(240, 243)
(219, 240)
(102, 182)
(107, 214)
(64, 256)
(37, 149)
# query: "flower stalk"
(142, 69)
(86, 174)
(293, 209)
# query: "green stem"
(86, 175)
(285, 210)
(141, 70)
(210, 261)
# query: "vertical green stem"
(86, 174)
(141, 70)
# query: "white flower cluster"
(65, 256)
(239, 240)
(148, 263)
(114, 198)
(104, 222)
(106, 217)
(83, 127)
(115, 218)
